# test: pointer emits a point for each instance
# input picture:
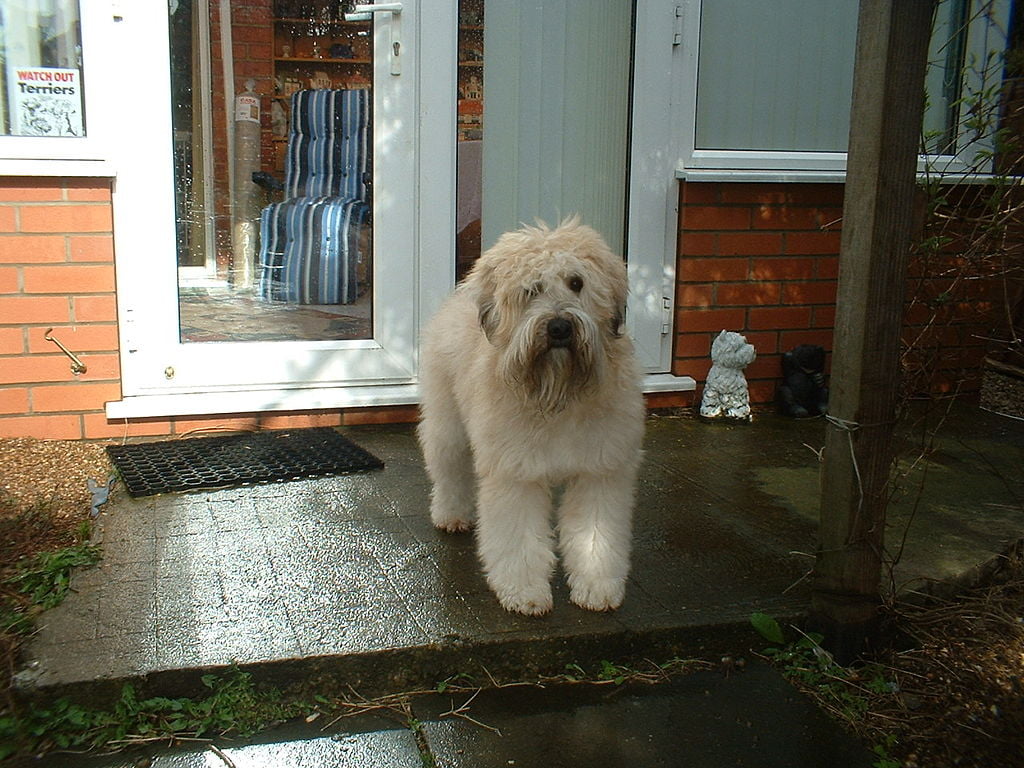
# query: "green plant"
(885, 760)
(846, 692)
(46, 580)
(233, 705)
(41, 584)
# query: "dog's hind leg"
(595, 534)
(515, 544)
(449, 463)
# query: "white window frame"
(785, 166)
(89, 155)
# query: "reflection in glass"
(471, 134)
(41, 59)
(273, 170)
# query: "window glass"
(273, 197)
(775, 76)
(41, 62)
(964, 81)
(779, 76)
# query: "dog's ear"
(487, 312)
(481, 283)
(616, 323)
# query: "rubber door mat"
(201, 463)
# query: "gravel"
(53, 473)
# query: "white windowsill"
(785, 177)
(57, 168)
(325, 398)
(665, 382)
(951, 175)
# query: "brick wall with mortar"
(57, 271)
(757, 258)
(761, 259)
(252, 41)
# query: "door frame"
(163, 377)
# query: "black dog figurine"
(803, 392)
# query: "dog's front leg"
(449, 464)
(595, 535)
(515, 543)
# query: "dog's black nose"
(559, 331)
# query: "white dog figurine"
(725, 392)
(529, 383)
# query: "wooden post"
(885, 134)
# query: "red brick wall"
(252, 39)
(760, 259)
(964, 285)
(57, 271)
(756, 258)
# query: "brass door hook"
(77, 366)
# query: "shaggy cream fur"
(530, 384)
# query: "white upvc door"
(582, 117)
(164, 372)
(413, 222)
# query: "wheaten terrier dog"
(530, 384)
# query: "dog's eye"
(575, 283)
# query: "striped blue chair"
(309, 242)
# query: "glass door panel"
(574, 112)
(267, 239)
(470, 135)
(272, 120)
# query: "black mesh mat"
(220, 462)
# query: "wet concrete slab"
(366, 742)
(752, 718)
(345, 577)
(746, 717)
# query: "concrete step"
(712, 719)
(344, 582)
(346, 578)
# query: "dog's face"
(551, 301)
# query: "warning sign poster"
(45, 101)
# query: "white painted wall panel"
(556, 76)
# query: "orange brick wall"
(757, 258)
(760, 259)
(57, 271)
(253, 58)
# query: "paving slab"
(343, 581)
(345, 578)
(751, 718)
(712, 719)
(366, 742)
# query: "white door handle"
(366, 12)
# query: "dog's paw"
(450, 522)
(454, 525)
(530, 602)
(602, 595)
